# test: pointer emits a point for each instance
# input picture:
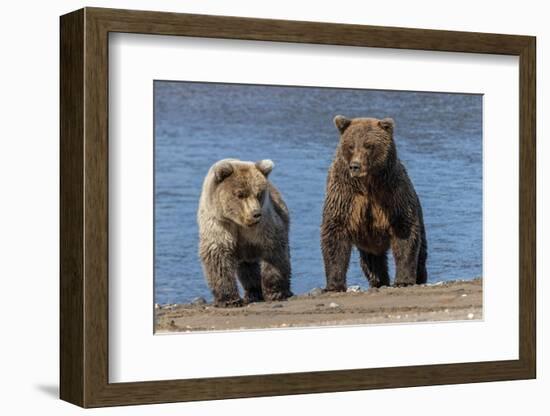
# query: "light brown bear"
(243, 232)
(371, 204)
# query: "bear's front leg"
(251, 280)
(336, 248)
(405, 253)
(220, 268)
(275, 273)
(375, 268)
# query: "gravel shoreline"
(442, 301)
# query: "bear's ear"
(387, 124)
(265, 166)
(341, 123)
(222, 170)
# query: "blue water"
(438, 136)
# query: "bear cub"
(370, 203)
(243, 233)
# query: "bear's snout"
(255, 217)
(354, 168)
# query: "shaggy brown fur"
(371, 204)
(243, 229)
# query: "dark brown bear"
(371, 204)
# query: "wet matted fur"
(370, 203)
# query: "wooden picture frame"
(84, 207)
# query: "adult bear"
(243, 231)
(370, 203)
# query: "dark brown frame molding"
(84, 207)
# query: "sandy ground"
(448, 301)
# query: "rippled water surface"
(438, 136)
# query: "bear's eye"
(240, 194)
(260, 195)
(369, 146)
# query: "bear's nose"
(354, 166)
(256, 214)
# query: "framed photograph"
(254, 207)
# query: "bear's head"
(366, 144)
(240, 189)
